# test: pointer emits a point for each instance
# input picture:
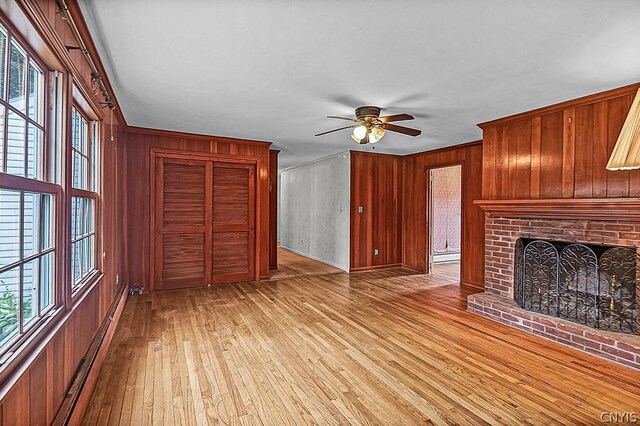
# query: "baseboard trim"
(376, 267)
(335, 265)
(413, 268)
(79, 394)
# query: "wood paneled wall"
(139, 144)
(33, 393)
(375, 186)
(273, 209)
(559, 151)
(415, 234)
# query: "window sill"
(85, 286)
(29, 348)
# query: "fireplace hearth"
(593, 285)
(580, 285)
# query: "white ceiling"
(273, 69)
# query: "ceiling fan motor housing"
(367, 112)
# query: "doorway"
(445, 220)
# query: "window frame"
(77, 289)
(16, 348)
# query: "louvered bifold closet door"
(183, 223)
(233, 222)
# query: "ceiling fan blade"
(341, 118)
(396, 117)
(335, 130)
(401, 129)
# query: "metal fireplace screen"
(587, 284)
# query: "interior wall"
(139, 144)
(36, 389)
(560, 151)
(314, 210)
(376, 231)
(414, 208)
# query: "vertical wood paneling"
(522, 160)
(273, 207)
(551, 155)
(489, 161)
(536, 158)
(618, 181)
(559, 151)
(140, 143)
(584, 124)
(568, 152)
(375, 183)
(414, 208)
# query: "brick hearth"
(497, 301)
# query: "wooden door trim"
(157, 153)
(463, 253)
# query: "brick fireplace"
(607, 223)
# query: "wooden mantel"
(565, 208)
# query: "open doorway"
(445, 220)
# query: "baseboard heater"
(79, 393)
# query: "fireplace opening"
(588, 284)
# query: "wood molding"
(376, 267)
(583, 100)
(195, 136)
(445, 149)
(563, 208)
(79, 395)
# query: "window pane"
(3, 55)
(47, 221)
(9, 226)
(34, 153)
(75, 261)
(74, 217)
(9, 304)
(76, 170)
(17, 71)
(88, 214)
(83, 173)
(75, 125)
(46, 281)
(16, 133)
(31, 220)
(31, 273)
(35, 93)
(83, 136)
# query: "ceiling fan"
(369, 127)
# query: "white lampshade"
(626, 152)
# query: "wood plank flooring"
(386, 347)
(292, 265)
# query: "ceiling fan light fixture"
(376, 133)
(360, 132)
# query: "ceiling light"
(377, 132)
(626, 152)
(360, 132)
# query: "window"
(26, 261)
(84, 182)
(27, 197)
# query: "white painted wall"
(314, 209)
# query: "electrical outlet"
(376, 252)
(359, 209)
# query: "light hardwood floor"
(291, 265)
(386, 347)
